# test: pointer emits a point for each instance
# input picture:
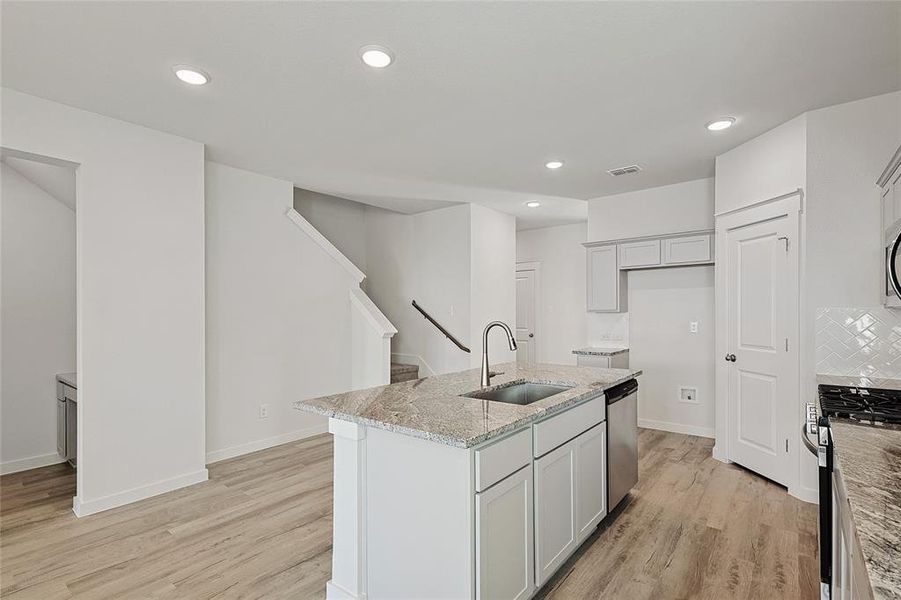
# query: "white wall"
(441, 255)
(140, 295)
(770, 165)
(37, 317)
(834, 155)
(278, 316)
(341, 221)
(662, 303)
(666, 301)
(672, 208)
(562, 317)
(493, 282)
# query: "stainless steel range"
(871, 407)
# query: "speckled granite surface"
(869, 460)
(594, 351)
(433, 408)
(67, 378)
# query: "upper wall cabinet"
(609, 261)
(890, 182)
(644, 253)
(606, 283)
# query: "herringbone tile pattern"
(859, 342)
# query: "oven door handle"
(810, 445)
(890, 266)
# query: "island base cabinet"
(504, 539)
(591, 480)
(570, 498)
(555, 509)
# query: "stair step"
(402, 372)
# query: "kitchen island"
(438, 494)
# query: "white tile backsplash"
(608, 329)
(859, 342)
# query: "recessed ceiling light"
(533, 204)
(377, 57)
(191, 75)
(554, 164)
(721, 123)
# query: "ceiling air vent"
(624, 170)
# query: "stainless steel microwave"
(892, 275)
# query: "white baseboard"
(333, 591)
(90, 507)
(233, 451)
(707, 432)
(32, 462)
(805, 494)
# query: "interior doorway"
(528, 277)
(758, 337)
(38, 317)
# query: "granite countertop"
(599, 351)
(67, 378)
(432, 408)
(869, 460)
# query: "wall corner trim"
(376, 318)
(326, 245)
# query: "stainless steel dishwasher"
(622, 441)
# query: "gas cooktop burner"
(861, 404)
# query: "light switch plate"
(693, 327)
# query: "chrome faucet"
(486, 374)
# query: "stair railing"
(447, 333)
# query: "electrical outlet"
(264, 411)
(688, 394)
(693, 327)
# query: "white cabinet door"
(504, 539)
(639, 254)
(688, 249)
(604, 280)
(591, 480)
(61, 428)
(895, 195)
(555, 510)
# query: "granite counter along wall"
(859, 342)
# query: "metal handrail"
(447, 333)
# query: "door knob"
(730, 357)
(531, 335)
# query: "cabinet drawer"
(639, 254)
(562, 427)
(591, 360)
(690, 249)
(499, 459)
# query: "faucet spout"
(511, 341)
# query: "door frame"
(789, 205)
(535, 266)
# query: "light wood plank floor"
(261, 528)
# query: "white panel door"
(525, 316)
(504, 539)
(555, 510)
(591, 479)
(761, 395)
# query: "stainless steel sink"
(519, 393)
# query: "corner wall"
(562, 314)
(140, 297)
(37, 246)
(662, 303)
(278, 316)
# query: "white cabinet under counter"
(67, 417)
(441, 495)
(604, 358)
